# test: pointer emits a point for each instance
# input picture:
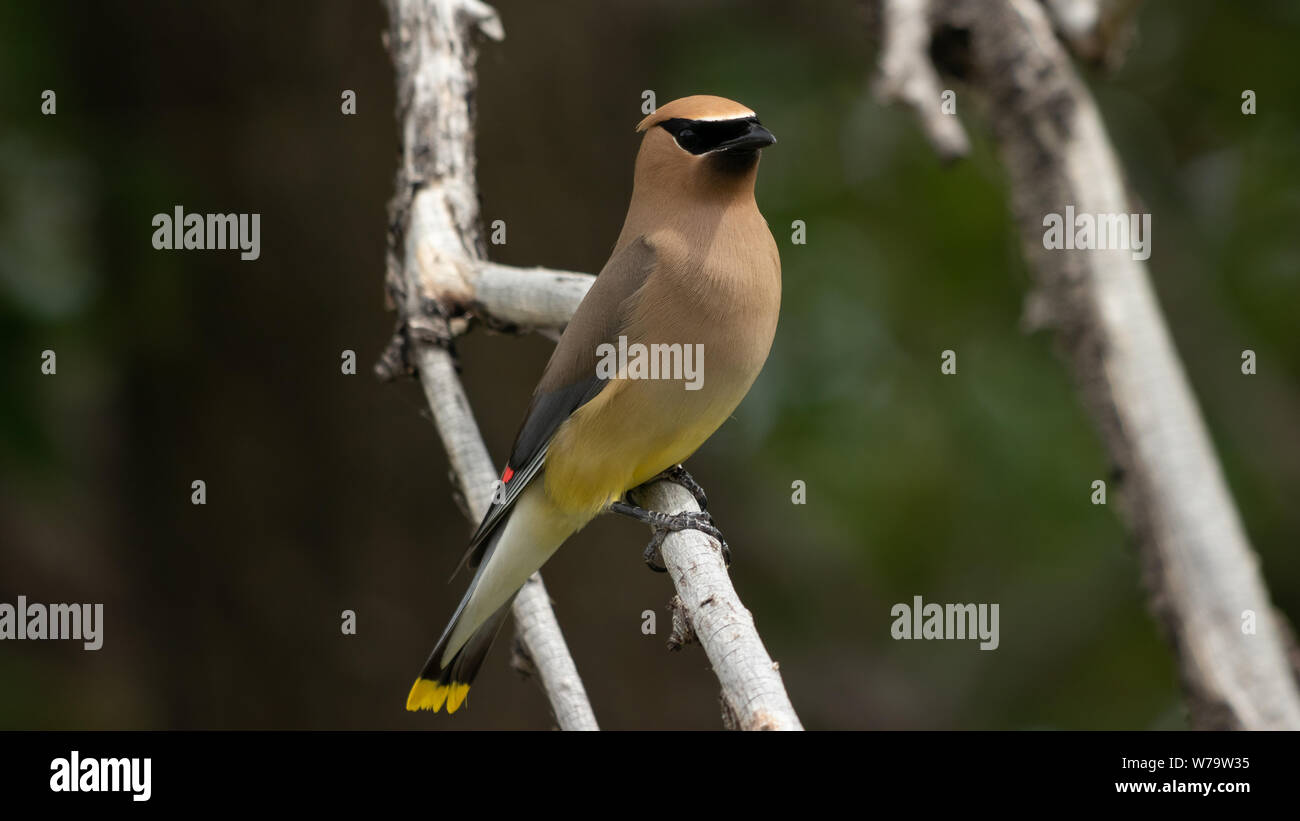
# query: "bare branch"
(434, 242)
(907, 76)
(753, 694)
(1199, 567)
(527, 297)
(1098, 31)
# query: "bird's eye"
(691, 137)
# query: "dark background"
(329, 492)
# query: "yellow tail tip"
(426, 695)
(456, 696)
(430, 695)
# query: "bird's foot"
(664, 523)
(683, 477)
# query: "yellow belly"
(631, 432)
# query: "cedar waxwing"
(695, 265)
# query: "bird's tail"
(450, 684)
(533, 531)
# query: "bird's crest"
(698, 107)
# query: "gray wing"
(569, 381)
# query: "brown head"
(702, 144)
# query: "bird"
(695, 264)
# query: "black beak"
(754, 138)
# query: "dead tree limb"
(433, 240)
(1097, 31)
(753, 695)
(1199, 567)
(528, 298)
(907, 76)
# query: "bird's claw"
(652, 556)
(683, 477)
(663, 524)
